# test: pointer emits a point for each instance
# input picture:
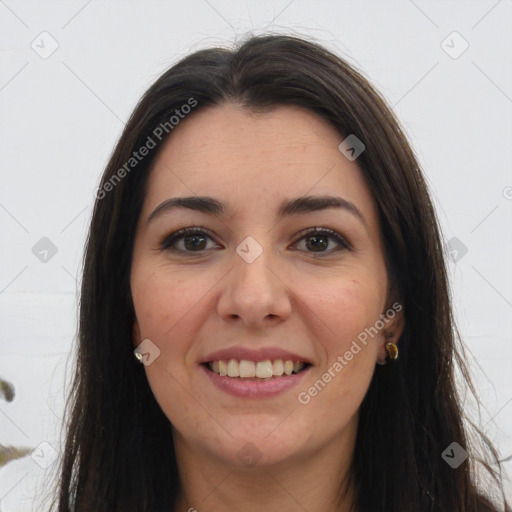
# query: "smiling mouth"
(255, 370)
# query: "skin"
(195, 303)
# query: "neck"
(314, 481)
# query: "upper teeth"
(262, 369)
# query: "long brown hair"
(119, 453)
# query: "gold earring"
(392, 352)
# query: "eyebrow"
(296, 206)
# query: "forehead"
(248, 160)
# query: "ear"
(136, 339)
(391, 332)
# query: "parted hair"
(119, 453)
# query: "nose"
(255, 293)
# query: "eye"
(195, 239)
(318, 240)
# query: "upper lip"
(252, 354)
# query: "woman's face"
(251, 287)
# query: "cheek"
(164, 304)
(168, 309)
(346, 307)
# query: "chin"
(262, 447)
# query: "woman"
(263, 242)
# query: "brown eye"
(318, 240)
(194, 240)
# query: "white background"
(62, 115)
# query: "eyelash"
(166, 243)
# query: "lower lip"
(255, 388)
